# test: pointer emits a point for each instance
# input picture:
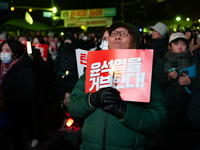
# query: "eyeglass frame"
(121, 35)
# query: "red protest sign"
(43, 50)
(1, 41)
(132, 73)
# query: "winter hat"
(69, 37)
(128, 26)
(176, 36)
(161, 28)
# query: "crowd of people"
(102, 119)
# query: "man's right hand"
(104, 96)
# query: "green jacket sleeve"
(147, 118)
(78, 106)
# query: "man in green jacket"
(110, 123)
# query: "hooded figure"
(65, 67)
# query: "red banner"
(43, 50)
(132, 72)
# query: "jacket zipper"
(104, 134)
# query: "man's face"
(178, 47)
(121, 42)
(155, 35)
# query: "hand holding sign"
(117, 110)
(104, 96)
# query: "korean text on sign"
(132, 72)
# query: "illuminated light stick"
(69, 122)
(112, 76)
(29, 48)
(67, 72)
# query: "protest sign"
(81, 59)
(1, 41)
(53, 45)
(132, 73)
(43, 50)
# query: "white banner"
(81, 58)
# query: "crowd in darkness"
(35, 92)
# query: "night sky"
(135, 11)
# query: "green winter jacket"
(103, 131)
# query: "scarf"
(179, 59)
(4, 68)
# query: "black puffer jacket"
(19, 87)
(66, 61)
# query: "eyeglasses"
(121, 33)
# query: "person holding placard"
(110, 122)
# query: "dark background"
(135, 11)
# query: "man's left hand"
(117, 110)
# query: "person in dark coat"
(63, 135)
(158, 42)
(176, 74)
(2, 100)
(65, 67)
(17, 78)
(41, 94)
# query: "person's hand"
(66, 129)
(117, 110)
(104, 96)
(172, 75)
(184, 80)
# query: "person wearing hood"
(65, 67)
(17, 78)
(158, 42)
(177, 73)
(110, 123)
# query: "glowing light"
(145, 30)
(67, 72)
(62, 33)
(12, 8)
(178, 18)
(54, 10)
(29, 48)
(199, 20)
(69, 122)
(28, 18)
(187, 19)
(30, 10)
(84, 28)
(140, 29)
